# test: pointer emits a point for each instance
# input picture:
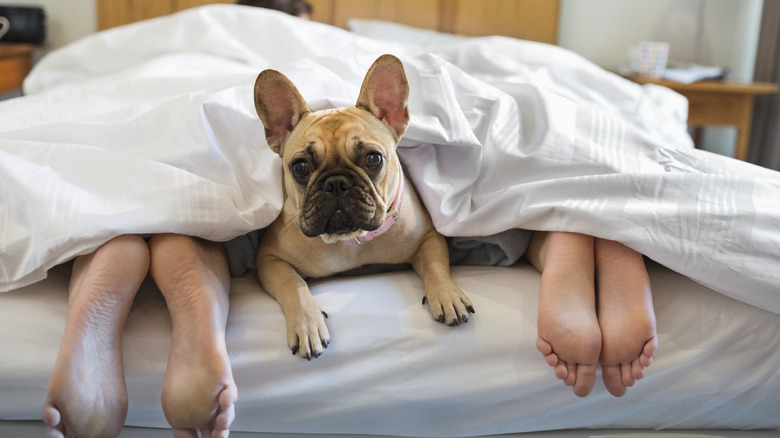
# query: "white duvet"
(151, 128)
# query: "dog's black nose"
(336, 184)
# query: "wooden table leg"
(743, 127)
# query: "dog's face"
(341, 171)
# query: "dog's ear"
(279, 105)
(384, 93)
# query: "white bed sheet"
(391, 370)
(150, 128)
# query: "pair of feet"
(578, 331)
(87, 394)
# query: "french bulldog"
(346, 201)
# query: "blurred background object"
(27, 24)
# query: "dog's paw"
(307, 335)
(448, 305)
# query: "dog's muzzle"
(339, 207)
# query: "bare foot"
(625, 314)
(198, 392)
(87, 396)
(569, 336)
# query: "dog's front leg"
(307, 334)
(446, 302)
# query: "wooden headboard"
(535, 20)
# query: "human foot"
(625, 314)
(569, 336)
(199, 392)
(87, 396)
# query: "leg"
(198, 391)
(446, 301)
(87, 395)
(569, 334)
(626, 315)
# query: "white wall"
(711, 32)
(715, 32)
(66, 20)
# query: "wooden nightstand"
(16, 61)
(717, 103)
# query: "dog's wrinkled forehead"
(339, 130)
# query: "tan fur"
(338, 139)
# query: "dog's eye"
(373, 161)
(300, 169)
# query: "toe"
(185, 433)
(224, 420)
(293, 342)
(550, 357)
(219, 434)
(227, 397)
(626, 372)
(317, 345)
(227, 412)
(637, 370)
(646, 357)
(543, 346)
(54, 433)
(569, 373)
(645, 360)
(561, 370)
(52, 418)
(586, 380)
(613, 380)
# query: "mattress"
(392, 370)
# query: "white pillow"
(401, 33)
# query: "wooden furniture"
(716, 103)
(15, 63)
(535, 20)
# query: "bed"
(149, 127)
